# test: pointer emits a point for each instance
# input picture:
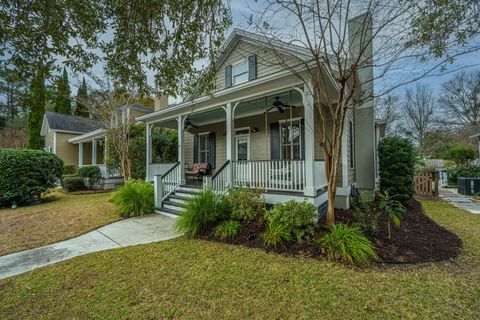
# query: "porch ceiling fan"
(279, 105)
(189, 124)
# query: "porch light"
(255, 130)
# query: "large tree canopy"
(129, 37)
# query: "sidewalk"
(123, 233)
(461, 201)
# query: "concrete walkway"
(461, 201)
(123, 233)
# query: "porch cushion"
(198, 168)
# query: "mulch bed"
(419, 239)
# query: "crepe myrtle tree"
(356, 42)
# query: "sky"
(241, 10)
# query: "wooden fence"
(426, 184)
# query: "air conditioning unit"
(468, 186)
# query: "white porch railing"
(283, 175)
(221, 178)
(320, 178)
(166, 184)
(158, 169)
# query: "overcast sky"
(242, 9)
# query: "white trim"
(292, 119)
(54, 142)
(88, 136)
(227, 91)
(242, 136)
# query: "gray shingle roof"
(63, 122)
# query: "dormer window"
(240, 72)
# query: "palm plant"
(390, 206)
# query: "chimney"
(360, 35)
(161, 102)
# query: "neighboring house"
(249, 137)
(82, 141)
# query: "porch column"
(309, 115)
(181, 147)
(148, 134)
(230, 143)
(80, 154)
(94, 151)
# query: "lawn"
(63, 216)
(195, 279)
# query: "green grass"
(195, 279)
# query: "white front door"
(242, 154)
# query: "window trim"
(233, 71)
(300, 144)
(207, 151)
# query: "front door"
(242, 155)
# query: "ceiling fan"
(189, 123)
(279, 105)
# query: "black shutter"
(211, 149)
(252, 67)
(302, 132)
(195, 148)
(274, 141)
(228, 76)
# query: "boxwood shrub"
(73, 183)
(26, 174)
(69, 169)
(397, 159)
(92, 174)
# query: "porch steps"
(176, 202)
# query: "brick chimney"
(161, 102)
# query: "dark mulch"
(419, 239)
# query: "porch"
(252, 142)
(92, 152)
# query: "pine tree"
(62, 94)
(82, 94)
(37, 109)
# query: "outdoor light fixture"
(255, 130)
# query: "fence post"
(435, 177)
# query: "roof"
(77, 124)
(137, 106)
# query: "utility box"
(468, 186)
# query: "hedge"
(91, 173)
(73, 183)
(26, 174)
(397, 159)
(69, 169)
(469, 171)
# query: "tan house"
(260, 128)
(82, 141)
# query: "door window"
(291, 139)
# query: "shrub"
(365, 213)
(460, 154)
(296, 217)
(91, 173)
(397, 166)
(228, 229)
(469, 171)
(391, 207)
(276, 234)
(135, 198)
(246, 203)
(201, 211)
(26, 174)
(73, 183)
(69, 169)
(348, 244)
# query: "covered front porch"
(252, 141)
(92, 152)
